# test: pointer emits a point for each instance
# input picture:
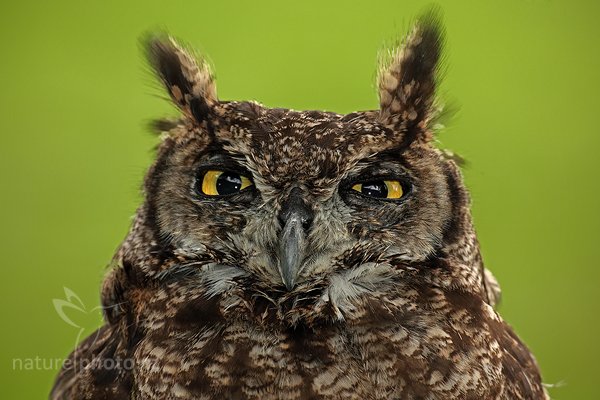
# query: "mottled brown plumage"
(300, 286)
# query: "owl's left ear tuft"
(188, 80)
(407, 79)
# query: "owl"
(282, 254)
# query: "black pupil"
(228, 183)
(375, 189)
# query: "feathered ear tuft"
(188, 80)
(407, 81)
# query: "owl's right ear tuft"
(408, 78)
(188, 80)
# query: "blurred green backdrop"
(75, 97)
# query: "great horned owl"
(282, 254)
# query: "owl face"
(288, 198)
(298, 193)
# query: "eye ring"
(220, 183)
(381, 189)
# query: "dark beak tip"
(289, 285)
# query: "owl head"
(302, 207)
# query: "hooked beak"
(295, 219)
(292, 245)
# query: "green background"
(75, 97)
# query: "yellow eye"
(380, 189)
(222, 183)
